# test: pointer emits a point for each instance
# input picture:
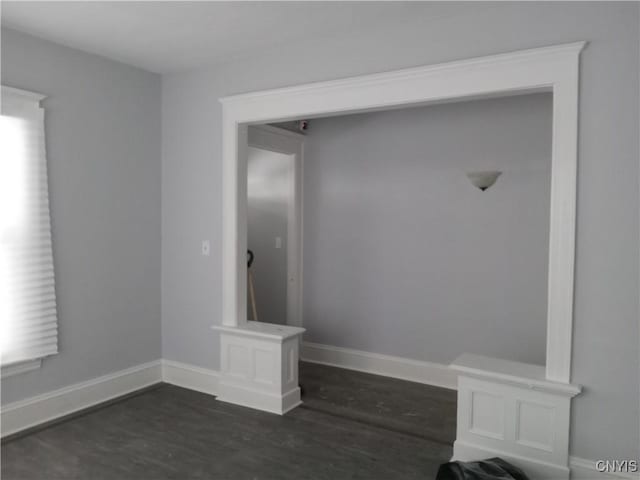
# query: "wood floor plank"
(352, 427)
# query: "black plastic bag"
(490, 469)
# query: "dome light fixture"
(484, 179)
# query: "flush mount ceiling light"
(483, 180)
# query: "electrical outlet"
(206, 248)
(278, 242)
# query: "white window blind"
(28, 317)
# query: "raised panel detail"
(514, 419)
(535, 425)
(238, 360)
(290, 374)
(264, 366)
(487, 415)
(256, 362)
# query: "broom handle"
(252, 295)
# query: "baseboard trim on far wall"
(191, 377)
(35, 411)
(428, 373)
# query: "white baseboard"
(24, 414)
(31, 412)
(191, 377)
(582, 468)
(389, 366)
(258, 400)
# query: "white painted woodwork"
(515, 413)
(553, 69)
(429, 373)
(259, 366)
(34, 411)
(21, 367)
(31, 412)
(509, 409)
(192, 377)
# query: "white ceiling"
(166, 37)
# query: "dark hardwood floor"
(395, 405)
(351, 426)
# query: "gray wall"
(269, 183)
(605, 356)
(103, 127)
(403, 256)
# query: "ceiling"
(166, 37)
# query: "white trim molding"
(259, 366)
(21, 367)
(40, 409)
(35, 411)
(428, 373)
(553, 69)
(18, 92)
(509, 409)
(189, 376)
(31, 412)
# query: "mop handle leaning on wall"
(252, 293)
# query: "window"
(28, 316)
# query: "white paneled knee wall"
(259, 366)
(508, 409)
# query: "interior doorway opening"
(516, 408)
(405, 256)
(552, 69)
(270, 187)
(274, 225)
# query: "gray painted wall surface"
(605, 417)
(103, 127)
(269, 184)
(403, 256)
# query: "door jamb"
(274, 139)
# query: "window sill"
(21, 367)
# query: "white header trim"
(554, 68)
(25, 94)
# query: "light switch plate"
(206, 248)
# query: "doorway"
(503, 425)
(549, 69)
(274, 230)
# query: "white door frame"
(283, 141)
(550, 69)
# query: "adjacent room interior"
(320, 240)
(402, 254)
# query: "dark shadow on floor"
(406, 407)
